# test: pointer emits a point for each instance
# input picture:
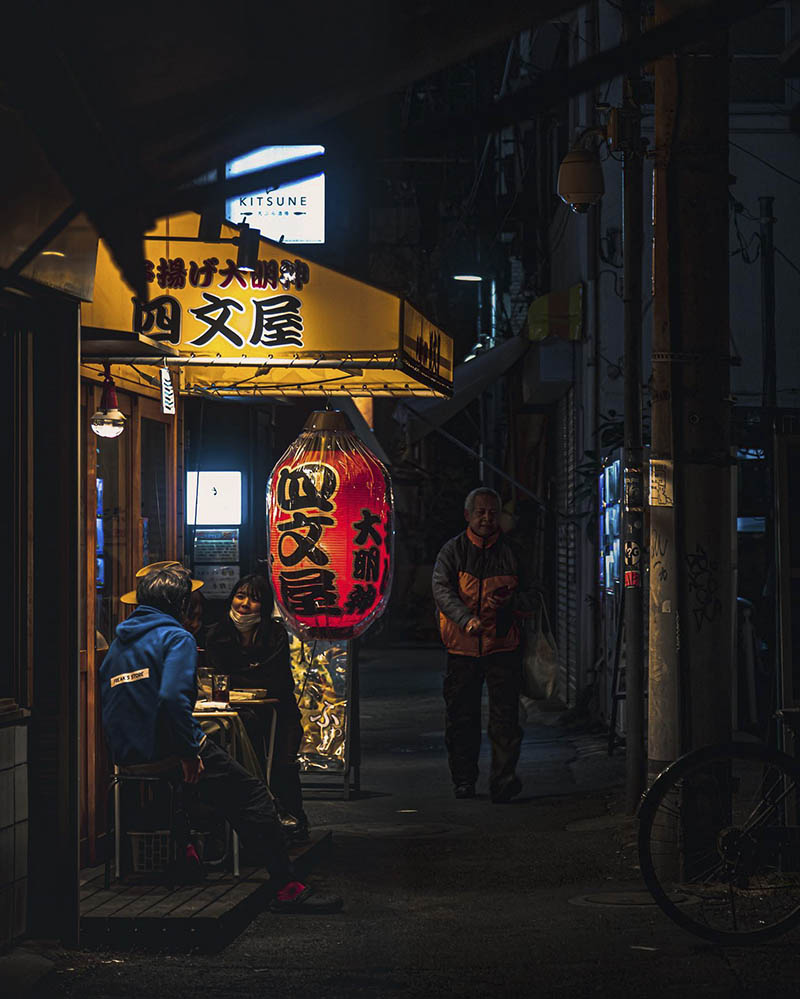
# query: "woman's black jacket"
(264, 664)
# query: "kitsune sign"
(330, 532)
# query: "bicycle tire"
(743, 869)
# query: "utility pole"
(691, 598)
(769, 403)
(632, 498)
(769, 394)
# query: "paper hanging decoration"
(331, 533)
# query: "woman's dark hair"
(167, 590)
(196, 602)
(259, 589)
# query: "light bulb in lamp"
(108, 421)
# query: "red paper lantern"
(331, 535)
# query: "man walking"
(478, 586)
(148, 688)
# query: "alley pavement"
(463, 898)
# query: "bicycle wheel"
(719, 842)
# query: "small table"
(237, 737)
(230, 716)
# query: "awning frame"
(383, 330)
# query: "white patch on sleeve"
(140, 674)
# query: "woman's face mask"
(245, 612)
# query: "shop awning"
(559, 313)
(290, 327)
(471, 379)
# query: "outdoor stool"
(146, 775)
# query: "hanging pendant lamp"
(108, 421)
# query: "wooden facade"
(131, 514)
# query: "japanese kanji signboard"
(329, 505)
(304, 329)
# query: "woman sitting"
(253, 649)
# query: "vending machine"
(214, 517)
(609, 532)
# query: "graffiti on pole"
(703, 587)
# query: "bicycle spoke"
(732, 899)
(718, 834)
(771, 806)
(673, 813)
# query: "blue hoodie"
(148, 687)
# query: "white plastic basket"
(151, 851)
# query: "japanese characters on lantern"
(331, 536)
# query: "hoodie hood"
(143, 620)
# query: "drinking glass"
(204, 684)
(221, 687)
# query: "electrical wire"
(618, 287)
(473, 192)
(145, 377)
(610, 154)
(218, 392)
(795, 180)
(755, 238)
(612, 365)
(788, 261)
(747, 255)
(547, 256)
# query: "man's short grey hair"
(469, 502)
(167, 589)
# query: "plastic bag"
(539, 656)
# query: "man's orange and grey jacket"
(468, 570)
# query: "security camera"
(580, 180)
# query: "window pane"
(155, 515)
(113, 568)
(762, 34)
(82, 498)
(218, 501)
(756, 81)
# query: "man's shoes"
(508, 791)
(465, 790)
(299, 835)
(304, 900)
(188, 869)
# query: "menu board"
(218, 580)
(216, 544)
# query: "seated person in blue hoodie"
(148, 687)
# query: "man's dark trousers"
(463, 685)
(229, 789)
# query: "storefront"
(213, 330)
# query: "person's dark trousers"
(463, 686)
(287, 788)
(285, 778)
(242, 800)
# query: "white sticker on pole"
(661, 490)
(167, 393)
